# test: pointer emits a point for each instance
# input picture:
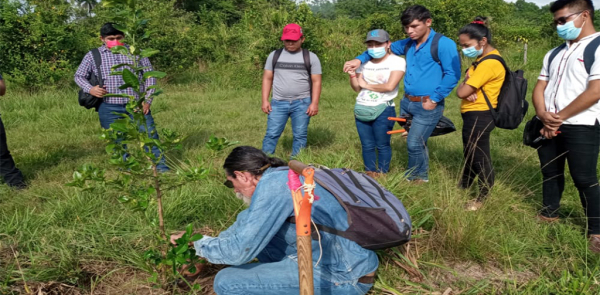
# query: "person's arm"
(151, 81)
(313, 108)
(395, 77)
(396, 47)
(354, 78)
(254, 228)
(316, 77)
(485, 72)
(2, 86)
(584, 101)
(465, 90)
(551, 121)
(267, 84)
(451, 68)
(83, 72)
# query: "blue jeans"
(108, 113)
(281, 111)
(423, 123)
(376, 142)
(277, 278)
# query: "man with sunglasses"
(262, 231)
(566, 101)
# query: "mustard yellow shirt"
(489, 76)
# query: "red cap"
(291, 32)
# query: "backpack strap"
(98, 61)
(589, 54)
(276, 56)
(555, 52)
(435, 44)
(306, 57)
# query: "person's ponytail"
(478, 29)
(250, 159)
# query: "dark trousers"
(12, 176)
(579, 146)
(477, 126)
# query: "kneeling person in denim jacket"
(296, 90)
(262, 231)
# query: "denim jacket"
(262, 231)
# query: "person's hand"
(266, 107)
(98, 92)
(551, 119)
(313, 110)
(549, 132)
(174, 237)
(472, 97)
(351, 72)
(146, 108)
(429, 105)
(351, 65)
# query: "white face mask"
(246, 200)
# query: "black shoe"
(18, 186)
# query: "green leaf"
(119, 50)
(142, 22)
(155, 74)
(124, 86)
(123, 199)
(121, 28)
(130, 78)
(149, 52)
(196, 237)
(119, 95)
(120, 65)
(181, 249)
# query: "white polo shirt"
(567, 79)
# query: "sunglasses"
(228, 183)
(563, 20)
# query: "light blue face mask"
(472, 52)
(377, 52)
(569, 31)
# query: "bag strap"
(276, 56)
(555, 53)
(501, 60)
(589, 54)
(435, 44)
(98, 61)
(306, 57)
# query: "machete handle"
(297, 166)
(396, 131)
(396, 119)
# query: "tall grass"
(77, 238)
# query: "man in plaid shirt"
(112, 37)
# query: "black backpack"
(589, 53)
(305, 55)
(87, 100)
(512, 105)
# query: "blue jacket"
(424, 75)
(262, 231)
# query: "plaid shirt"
(112, 82)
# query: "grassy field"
(57, 238)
